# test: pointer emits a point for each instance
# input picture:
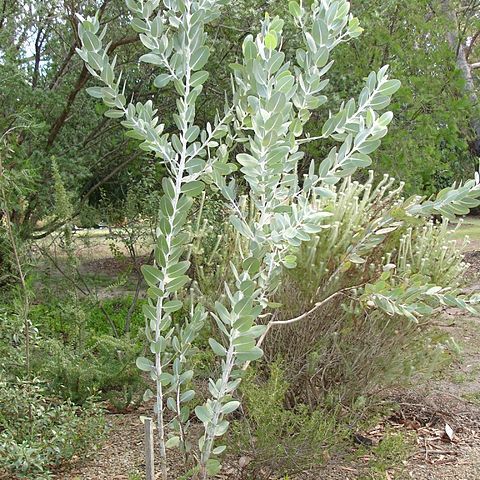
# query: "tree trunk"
(464, 67)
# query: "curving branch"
(471, 44)
(79, 84)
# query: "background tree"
(43, 86)
(428, 145)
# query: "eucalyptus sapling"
(272, 99)
(175, 36)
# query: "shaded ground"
(103, 263)
(469, 228)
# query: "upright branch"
(176, 39)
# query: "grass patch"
(473, 397)
(66, 320)
(470, 227)
(464, 377)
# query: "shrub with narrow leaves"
(350, 346)
(271, 100)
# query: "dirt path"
(120, 457)
(456, 397)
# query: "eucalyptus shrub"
(271, 100)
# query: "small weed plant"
(277, 440)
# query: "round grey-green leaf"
(202, 413)
(172, 442)
(114, 114)
(172, 306)
(271, 40)
(192, 189)
(217, 348)
(147, 395)
(218, 450)
(187, 396)
(162, 80)
(294, 9)
(151, 58)
(213, 466)
(199, 78)
(230, 407)
(144, 364)
(96, 92)
(199, 58)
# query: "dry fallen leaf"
(244, 461)
(449, 433)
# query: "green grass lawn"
(470, 227)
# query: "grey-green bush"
(262, 125)
(351, 347)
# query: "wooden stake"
(149, 459)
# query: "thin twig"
(315, 307)
(18, 265)
(21, 274)
(85, 291)
(302, 316)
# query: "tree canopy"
(46, 114)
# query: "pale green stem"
(210, 431)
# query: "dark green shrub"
(75, 361)
(12, 344)
(284, 440)
(62, 319)
(106, 368)
(38, 432)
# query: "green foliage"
(336, 278)
(46, 111)
(418, 248)
(428, 143)
(359, 342)
(134, 476)
(63, 210)
(281, 439)
(77, 356)
(183, 55)
(47, 104)
(39, 432)
(14, 186)
(59, 318)
(12, 344)
(352, 346)
(105, 368)
(134, 216)
(390, 453)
